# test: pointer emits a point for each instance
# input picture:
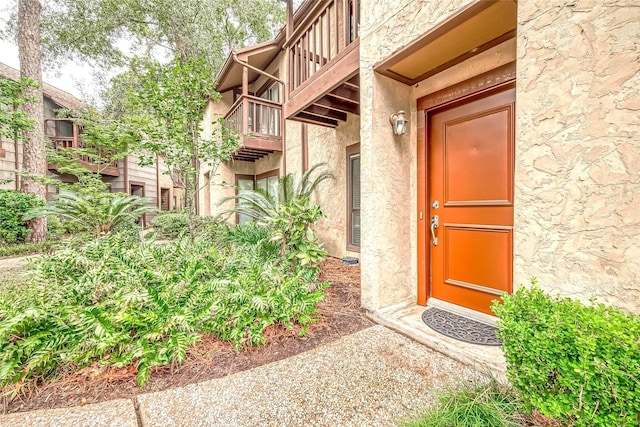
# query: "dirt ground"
(338, 314)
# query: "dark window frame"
(351, 150)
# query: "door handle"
(435, 223)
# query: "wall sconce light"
(398, 123)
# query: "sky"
(69, 79)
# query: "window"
(271, 93)
(244, 182)
(267, 181)
(268, 184)
(353, 197)
(268, 117)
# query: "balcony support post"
(245, 104)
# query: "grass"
(489, 404)
(27, 248)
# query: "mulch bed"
(338, 314)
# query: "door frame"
(475, 87)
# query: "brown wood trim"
(463, 15)
(304, 133)
(503, 75)
(422, 214)
(478, 50)
(138, 183)
(310, 17)
(3, 153)
(348, 52)
(158, 189)
(144, 194)
(275, 172)
(350, 150)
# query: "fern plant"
(123, 302)
(288, 214)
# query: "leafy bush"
(170, 224)
(288, 215)
(473, 405)
(13, 206)
(99, 212)
(573, 362)
(57, 227)
(117, 301)
(27, 248)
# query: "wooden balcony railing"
(323, 50)
(321, 38)
(258, 123)
(64, 142)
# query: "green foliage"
(171, 224)
(28, 248)
(473, 405)
(169, 109)
(119, 301)
(100, 213)
(288, 214)
(13, 120)
(573, 362)
(13, 206)
(104, 141)
(91, 29)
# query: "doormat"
(460, 328)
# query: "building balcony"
(53, 130)
(323, 49)
(259, 123)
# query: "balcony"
(324, 53)
(259, 124)
(54, 128)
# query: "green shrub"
(100, 212)
(13, 206)
(171, 224)
(489, 404)
(573, 362)
(288, 215)
(28, 248)
(118, 301)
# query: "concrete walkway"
(375, 377)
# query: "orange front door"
(470, 188)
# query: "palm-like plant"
(262, 206)
(287, 213)
(100, 213)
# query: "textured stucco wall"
(577, 181)
(328, 146)
(388, 162)
(578, 149)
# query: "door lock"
(435, 223)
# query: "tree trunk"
(34, 159)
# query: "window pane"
(244, 184)
(355, 228)
(354, 202)
(355, 182)
(272, 185)
(66, 128)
